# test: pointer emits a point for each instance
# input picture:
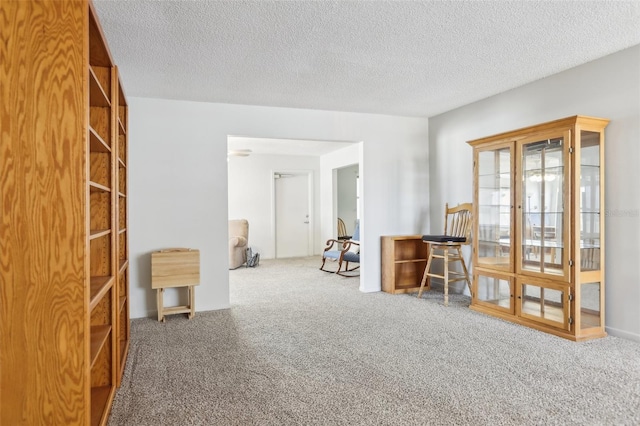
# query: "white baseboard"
(622, 334)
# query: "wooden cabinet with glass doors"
(538, 255)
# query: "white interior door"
(292, 208)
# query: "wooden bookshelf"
(404, 258)
(67, 312)
(121, 222)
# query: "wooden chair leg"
(426, 271)
(446, 277)
(464, 268)
(324, 259)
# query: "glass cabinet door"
(589, 201)
(494, 291)
(494, 239)
(544, 303)
(544, 207)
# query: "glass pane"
(590, 305)
(543, 303)
(589, 201)
(543, 206)
(495, 291)
(494, 206)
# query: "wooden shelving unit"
(122, 248)
(404, 258)
(538, 237)
(101, 186)
(65, 301)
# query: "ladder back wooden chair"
(448, 247)
(342, 230)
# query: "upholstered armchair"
(238, 242)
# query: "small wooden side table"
(175, 267)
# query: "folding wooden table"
(175, 267)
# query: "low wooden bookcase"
(404, 258)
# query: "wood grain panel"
(123, 350)
(122, 148)
(42, 198)
(123, 320)
(100, 209)
(97, 144)
(122, 243)
(100, 398)
(175, 268)
(99, 337)
(122, 277)
(101, 370)
(100, 86)
(123, 264)
(100, 121)
(99, 54)
(121, 130)
(122, 180)
(100, 168)
(122, 210)
(101, 313)
(99, 287)
(100, 255)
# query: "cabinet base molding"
(537, 326)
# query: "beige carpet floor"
(303, 347)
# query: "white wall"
(348, 196)
(178, 182)
(250, 195)
(608, 88)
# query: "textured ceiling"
(416, 58)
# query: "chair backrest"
(457, 221)
(356, 232)
(342, 229)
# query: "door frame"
(310, 204)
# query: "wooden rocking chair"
(349, 253)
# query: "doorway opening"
(260, 170)
(252, 166)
